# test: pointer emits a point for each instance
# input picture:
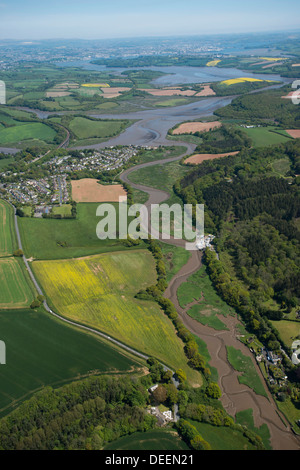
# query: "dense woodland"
(268, 105)
(253, 212)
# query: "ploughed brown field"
(200, 157)
(57, 94)
(207, 91)
(176, 91)
(113, 92)
(294, 133)
(89, 190)
(188, 127)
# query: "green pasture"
(157, 439)
(15, 292)
(201, 300)
(222, 438)
(265, 136)
(63, 238)
(84, 128)
(25, 132)
(244, 364)
(245, 418)
(42, 351)
(7, 229)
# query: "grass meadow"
(7, 233)
(222, 438)
(158, 439)
(16, 291)
(85, 129)
(248, 374)
(41, 351)
(202, 302)
(265, 136)
(70, 238)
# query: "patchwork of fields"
(99, 291)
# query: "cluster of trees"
(84, 415)
(264, 105)
(191, 435)
(36, 303)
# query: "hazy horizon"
(96, 20)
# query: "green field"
(60, 239)
(15, 291)
(7, 231)
(172, 102)
(264, 136)
(289, 331)
(222, 438)
(99, 291)
(209, 304)
(63, 210)
(43, 351)
(26, 131)
(85, 129)
(174, 258)
(245, 418)
(244, 364)
(158, 439)
(161, 177)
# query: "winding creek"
(235, 396)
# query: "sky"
(100, 19)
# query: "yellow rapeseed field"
(233, 81)
(273, 59)
(96, 85)
(212, 63)
(100, 290)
